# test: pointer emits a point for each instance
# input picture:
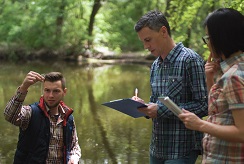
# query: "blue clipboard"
(126, 106)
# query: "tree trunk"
(60, 21)
(96, 6)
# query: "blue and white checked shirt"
(181, 77)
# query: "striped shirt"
(226, 95)
(20, 115)
(181, 77)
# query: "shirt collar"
(171, 56)
(228, 63)
(60, 109)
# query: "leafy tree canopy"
(72, 26)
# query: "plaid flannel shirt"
(181, 77)
(226, 95)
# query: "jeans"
(189, 159)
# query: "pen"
(136, 92)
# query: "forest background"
(69, 29)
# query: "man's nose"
(146, 46)
(51, 93)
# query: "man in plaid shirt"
(178, 72)
(47, 128)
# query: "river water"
(106, 136)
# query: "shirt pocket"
(174, 86)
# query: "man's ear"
(163, 31)
(65, 91)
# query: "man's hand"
(30, 79)
(150, 110)
(138, 99)
(73, 161)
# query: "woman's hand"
(211, 67)
(191, 120)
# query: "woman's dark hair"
(55, 76)
(226, 30)
(153, 20)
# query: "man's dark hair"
(154, 20)
(226, 30)
(55, 76)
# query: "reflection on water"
(105, 135)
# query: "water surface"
(105, 135)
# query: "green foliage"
(60, 24)
(121, 17)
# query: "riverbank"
(99, 55)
